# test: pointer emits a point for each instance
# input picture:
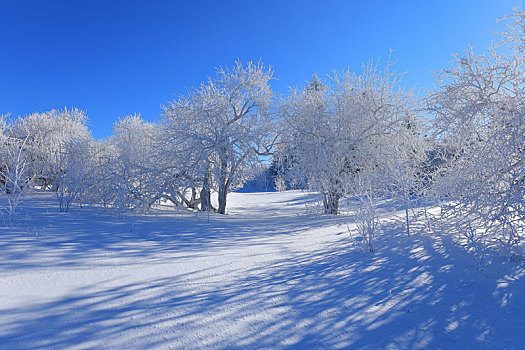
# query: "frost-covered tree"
(348, 126)
(406, 165)
(316, 142)
(480, 116)
(223, 127)
(102, 191)
(187, 168)
(45, 134)
(14, 174)
(74, 162)
(3, 141)
(131, 165)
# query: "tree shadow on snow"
(44, 238)
(414, 296)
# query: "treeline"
(360, 135)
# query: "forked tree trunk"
(331, 203)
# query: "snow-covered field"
(268, 275)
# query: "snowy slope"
(269, 275)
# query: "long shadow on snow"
(45, 237)
(414, 296)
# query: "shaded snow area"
(271, 274)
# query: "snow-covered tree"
(102, 190)
(223, 127)
(406, 165)
(74, 161)
(3, 140)
(45, 134)
(348, 126)
(479, 114)
(14, 172)
(131, 165)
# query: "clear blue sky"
(112, 58)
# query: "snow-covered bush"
(366, 215)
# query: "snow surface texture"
(270, 275)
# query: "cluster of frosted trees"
(205, 142)
(359, 135)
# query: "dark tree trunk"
(205, 197)
(224, 184)
(223, 193)
(192, 204)
(331, 203)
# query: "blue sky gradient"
(113, 58)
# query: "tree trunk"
(223, 186)
(407, 218)
(223, 192)
(407, 221)
(331, 203)
(205, 196)
(192, 203)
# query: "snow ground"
(270, 275)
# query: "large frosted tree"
(347, 128)
(480, 116)
(224, 127)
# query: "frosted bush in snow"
(366, 216)
(367, 221)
